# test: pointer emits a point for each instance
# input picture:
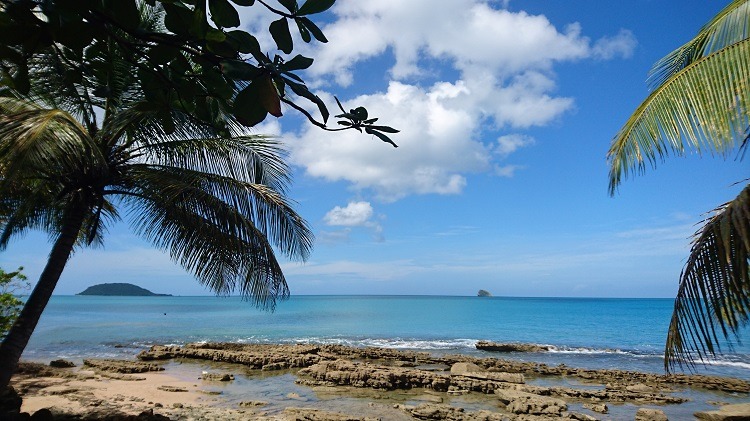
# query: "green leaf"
(280, 32)
(215, 35)
(243, 2)
(178, 19)
(381, 136)
(269, 97)
(216, 83)
(339, 104)
(162, 53)
(223, 14)
(315, 6)
(386, 129)
(247, 106)
(303, 31)
(314, 30)
(299, 62)
(302, 91)
(240, 70)
(244, 42)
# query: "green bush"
(11, 283)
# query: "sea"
(595, 333)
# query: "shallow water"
(590, 333)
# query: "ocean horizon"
(597, 333)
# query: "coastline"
(335, 382)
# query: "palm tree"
(79, 153)
(701, 101)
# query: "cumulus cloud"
(623, 44)
(508, 144)
(354, 214)
(459, 73)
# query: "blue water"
(593, 333)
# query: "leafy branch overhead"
(195, 59)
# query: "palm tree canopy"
(714, 295)
(213, 198)
(700, 101)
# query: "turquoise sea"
(585, 332)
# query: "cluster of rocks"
(512, 387)
(278, 357)
(388, 369)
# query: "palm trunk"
(15, 342)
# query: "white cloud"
(354, 214)
(508, 144)
(507, 171)
(436, 144)
(501, 67)
(623, 44)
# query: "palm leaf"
(729, 26)
(703, 107)
(713, 299)
(218, 228)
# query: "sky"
(500, 181)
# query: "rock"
(580, 417)
(429, 411)
(735, 412)
(217, 377)
(307, 414)
(472, 370)
(177, 405)
(252, 403)
(121, 366)
(459, 369)
(597, 407)
(61, 363)
(519, 402)
(649, 414)
(510, 347)
(43, 414)
(172, 389)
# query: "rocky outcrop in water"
(510, 347)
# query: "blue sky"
(507, 110)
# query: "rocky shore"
(452, 387)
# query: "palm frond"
(713, 299)
(254, 159)
(218, 228)
(729, 26)
(704, 107)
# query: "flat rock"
(510, 347)
(519, 402)
(217, 377)
(474, 371)
(121, 366)
(650, 414)
(735, 412)
(597, 407)
(307, 414)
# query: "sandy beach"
(332, 382)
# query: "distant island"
(483, 293)
(121, 289)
